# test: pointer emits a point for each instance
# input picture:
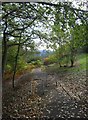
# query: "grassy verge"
(80, 65)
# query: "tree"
(29, 20)
(17, 20)
(67, 20)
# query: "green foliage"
(50, 60)
(81, 65)
(65, 36)
(79, 35)
(63, 54)
(22, 65)
(8, 67)
(37, 63)
(11, 58)
(33, 58)
(82, 61)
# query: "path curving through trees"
(39, 96)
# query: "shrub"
(37, 63)
(50, 60)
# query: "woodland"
(49, 83)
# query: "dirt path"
(60, 96)
(43, 95)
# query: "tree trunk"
(72, 62)
(60, 64)
(4, 58)
(72, 57)
(15, 65)
(4, 51)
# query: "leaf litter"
(55, 102)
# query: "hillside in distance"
(45, 53)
